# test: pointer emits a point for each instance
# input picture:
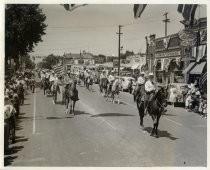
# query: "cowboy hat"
(151, 74)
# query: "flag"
(138, 10)
(59, 69)
(203, 79)
(71, 7)
(188, 11)
(194, 52)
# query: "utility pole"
(166, 20)
(119, 33)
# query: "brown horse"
(71, 97)
(155, 108)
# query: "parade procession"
(114, 85)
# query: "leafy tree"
(127, 53)
(49, 61)
(24, 27)
(29, 64)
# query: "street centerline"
(34, 114)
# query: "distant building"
(37, 59)
(79, 59)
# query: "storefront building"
(196, 71)
(164, 59)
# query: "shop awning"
(198, 69)
(135, 66)
(188, 68)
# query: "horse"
(139, 99)
(89, 83)
(155, 108)
(103, 86)
(55, 89)
(71, 97)
(46, 85)
(115, 90)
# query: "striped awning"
(198, 69)
(188, 68)
(203, 79)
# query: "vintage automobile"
(178, 90)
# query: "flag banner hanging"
(162, 63)
(138, 10)
(203, 79)
(194, 52)
(187, 11)
(201, 52)
(71, 7)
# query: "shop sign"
(168, 54)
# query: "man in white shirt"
(141, 79)
(149, 91)
(139, 84)
(111, 80)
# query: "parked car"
(179, 88)
(125, 83)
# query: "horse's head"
(162, 96)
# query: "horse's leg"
(141, 114)
(71, 106)
(153, 129)
(118, 98)
(74, 102)
(156, 126)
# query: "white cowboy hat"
(151, 74)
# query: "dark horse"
(71, 97)
(103, 84)
(155, 108)
(46, 85)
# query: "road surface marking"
(34, 115)
(173, 121)
(163, 117)
(93, 112)
(128, 104)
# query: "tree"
(49, 61)
(24, 27)
(29, 64)
(127, 53)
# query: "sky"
(93, 28)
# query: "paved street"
(104, 134)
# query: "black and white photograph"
(104, 85)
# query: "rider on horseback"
(150, 90)
(111, 80)
(140, 83)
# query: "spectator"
(173, 95)
(200, 109)
(205, 108)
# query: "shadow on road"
(111, 114)
(161, 133)
(168, 114)
(9, 160)
(67, 115)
